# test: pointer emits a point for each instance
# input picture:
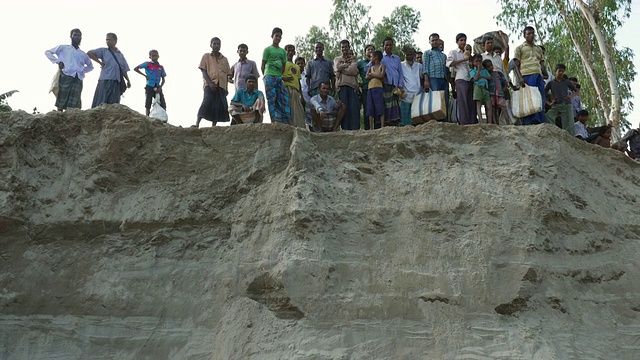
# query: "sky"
(181, 31)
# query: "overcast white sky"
(181, 30)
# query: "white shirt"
(580, 130)
(462, 69)
(498, 65)
(411, 78)
(304, 87)
(76, 61)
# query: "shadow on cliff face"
(270, 292)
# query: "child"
(155, 75)
(498, 89)
(561, 100)
(481, 76)
(604, 139)
(375, 94)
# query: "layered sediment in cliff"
(131, 239)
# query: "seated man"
(633, 138)
(247, 105)
(580, 126)
(326, 112)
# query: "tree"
(582, 35)
(403, 22)
(350, 20)
(305, 45)
(4, 106)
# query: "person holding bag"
(113, 73)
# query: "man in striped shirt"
(434, 69)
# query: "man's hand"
(309, 93)
(427, 84)
(213, 86)
(128, 84)
(323, 115)
(60, 65)
(522, 82)
(246, 108)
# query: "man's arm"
(262, 67)
(254, 70)
(52, 55)
(400, 74)
(206, 78)
(88, 64)
(95, 58)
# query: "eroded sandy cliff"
(122, 238)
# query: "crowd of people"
(323, 95)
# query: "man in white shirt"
(411, 76)
(73, 64)
(458, 59)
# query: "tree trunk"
(586, 62)
(614, 114)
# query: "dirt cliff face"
(130, 239)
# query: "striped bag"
(427, 106)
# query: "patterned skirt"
(69, 92)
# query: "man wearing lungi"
(73, 64)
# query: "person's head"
(461, 40)
(477, 61)
(251, 82)
(441, 45)
(243, 50)
(291, 50)
(112, 40)
(368, 50)
(387, 45)
(488, 44)
(497, 50)
(487, 64)
(345, 47)
(574, 80)
(607, 133)
(215, 45)
(433, 40)
(577, 87)
(560, 69)
(76, 37)
(376, 57)
(419, 56)
(583, 116)
(319, 49)
(154, 56)
(323, 90)
(301, 62)
(409, 54)
(276, 35)
(529, 34)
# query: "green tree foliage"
(569, 38)
(305, 44)
(403, 22)
(350, 20)
(4, 106)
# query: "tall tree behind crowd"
(401, 25)
(350, 20)
(582, 35)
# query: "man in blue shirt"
(327, 113)
(319, 70)
(114, 72)
(247, 105)
(393, 80)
